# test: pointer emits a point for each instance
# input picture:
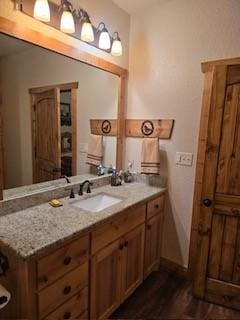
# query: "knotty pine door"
(217, 272)
(46, 135)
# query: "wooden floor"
(165, 295)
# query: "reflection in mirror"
(47, 102)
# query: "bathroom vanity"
(68, 263)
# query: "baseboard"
(175, 267)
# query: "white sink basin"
(96, 203)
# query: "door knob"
(207, 203)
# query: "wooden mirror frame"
(20, 32)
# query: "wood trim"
(61, 86)
(122, 106)
(202, 144)
(16, 30)
(208, 66)
(32, 111)
(96, 127)
(161, 129)
(174, 267)
(74, 130)
(209, 177)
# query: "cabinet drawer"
(73, 308)
(58, 293)
(63, 260)
(114, 229)
(155, 206)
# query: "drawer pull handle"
(67, 261)
(149, 227)
(67, 315)
(156, 206)
(67, 290)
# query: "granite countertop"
(30, 231)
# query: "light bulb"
(42, 10)
(104, 40)
(87, 33)
(117, 48)
(67, 24)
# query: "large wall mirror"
(47, 103)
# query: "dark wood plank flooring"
(165, 295)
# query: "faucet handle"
(89, 188)
(80, 192)
(72, 195)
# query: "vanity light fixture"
(116, 45)
(73, 21)
(104, 39)
(67, 24)
(87, 33)
(41, 10)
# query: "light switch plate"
(184, 159)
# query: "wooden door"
(217, 272)
(132, 261)
(105, 281)
(152, 244)
(46, 136)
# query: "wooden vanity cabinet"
(62, 281)
(105, 281)
(154, 223)
(88, 277)
(132, 261)
(116, 272)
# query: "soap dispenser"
(128, 176)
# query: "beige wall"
(105, 10)
(167, 44)
(36, 67)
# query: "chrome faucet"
(80, 193)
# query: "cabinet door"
(152, 244)
(132, 261)
(105, 281)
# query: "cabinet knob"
(67, 261)
(67, 315)
(149, 227)
(156, 206)
(67, 290)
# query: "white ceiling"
(9, 45)
(133, 6)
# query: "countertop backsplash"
(27, 200)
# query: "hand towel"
(150, 156)
(95, 150)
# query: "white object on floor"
(5, 297)
(96, 203)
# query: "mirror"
(47, 102)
